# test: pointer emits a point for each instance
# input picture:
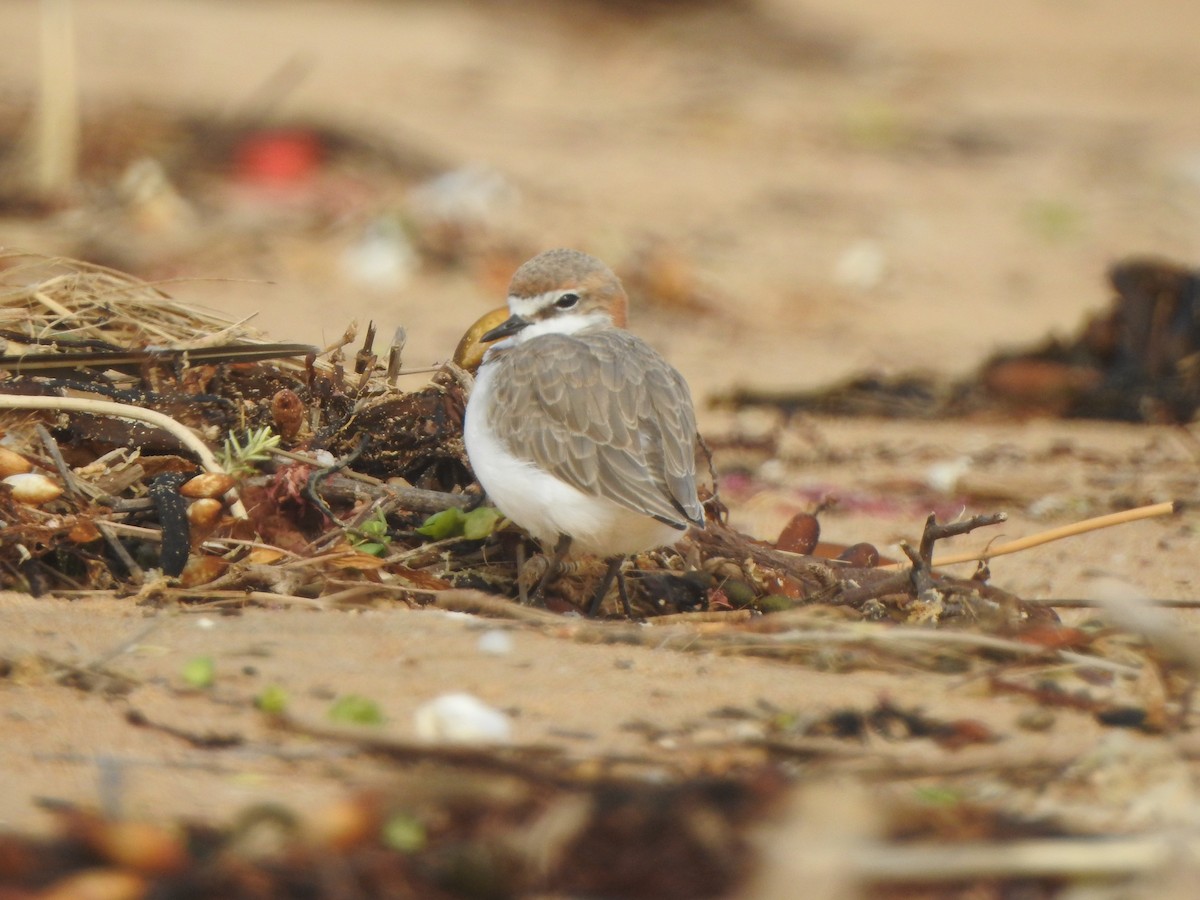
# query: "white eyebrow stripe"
(527, 306)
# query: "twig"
(1092, 603)
(310, 460)
(395, 352)
(468, 601)
(711, 617)
(1055, 534)
(682, 636)
(129, 643)
(880, 637)
(919, 575)
(934, 531)
(64, 471)
(343, 485)
(219, 543)
(542, 764)
(72, 485)
(219, 599)
(125, 411)
(1089, 857)
(893, 584)
(365, 359)
(136, 573)
(141, 531)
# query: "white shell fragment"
(863, 265)
(944, 476)
(461, 719)
(33, 489)
(495, 642)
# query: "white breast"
(544, 505)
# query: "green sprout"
(238, 458)
(372, 535)
(1054, 220)
(354, 709)
(938, 796)
(200, 672)
(273, 700)
(404, 832)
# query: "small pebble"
(944, 476)
(862, 265)
(495, 642)
(461, 719)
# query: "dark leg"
(624, 595)
(613, 571)
(553, 568)
(522, 590)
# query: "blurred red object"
(283, 156)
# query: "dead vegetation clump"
(322, 475)
(1134, 362)
(185, 461)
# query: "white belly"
(544, 505)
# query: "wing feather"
(605, 413)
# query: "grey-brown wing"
(605, 413)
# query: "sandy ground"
(854, 185)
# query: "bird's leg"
(554, 566)
(522, 588)
(624, 594)
(613, 571)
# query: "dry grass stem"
(1109, 858)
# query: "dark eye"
(566, 301)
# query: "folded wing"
(610, 417)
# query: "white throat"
(565, 323)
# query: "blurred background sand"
(847, 185)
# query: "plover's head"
(561, 292)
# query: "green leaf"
(774, 603)
(371, 547)
(405, 833)
(938, 796)
(443, 524)
(355, 709)
(200, 672)
(272, 700)
(1055, 220)
(480, 522)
